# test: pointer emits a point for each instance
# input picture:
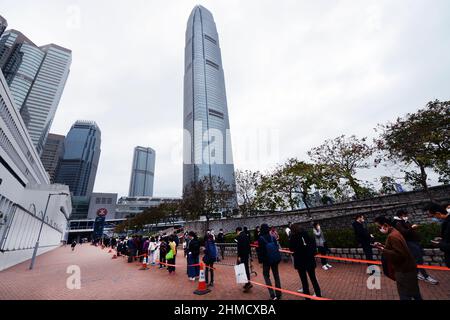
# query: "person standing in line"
(151, 251)
(131, 246)
(269, 255)
(412, 238)
(209, 258)
(304, 250)
(74, 243)
(441, 215)
(221, 241)
(274, 233)
(288, 229)
(321, 245)
(363, 237)
(398, 255)
(173, 250)
(256, 235)
(243, 254)
(193, 253)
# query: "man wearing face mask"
(363, 237)
(396, 251)
(412, 237)
(439, 214)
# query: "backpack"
(273, 251)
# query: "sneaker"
(274, 298)
(300, 290)
(325, 268)
(192, 279)
(329, 266)
(431, 280)
(420, 277)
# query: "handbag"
(169, 255)
(241, 275)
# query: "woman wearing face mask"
(396, 251)
(412, 238)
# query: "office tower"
(36, 77)
(78, 166)
(3, 25)
(52, 153)
(207, 143)
(142, 172)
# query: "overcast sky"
(300, 71)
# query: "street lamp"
(33, 258)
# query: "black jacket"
(304, 248)
(361, 233)
(405, 228)
(220, 238)
(194, 247)
(445, 243)
(243, 245)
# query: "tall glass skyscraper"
(52, 153)
(3, 25)
(78, 166)
(207, 143)
(36, 77)
(142, 172)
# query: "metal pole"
(39, 235)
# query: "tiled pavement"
(106, 278)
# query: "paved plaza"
(106, 278)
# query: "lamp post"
(33, 258)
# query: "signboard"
(102, 212)
(99, 224)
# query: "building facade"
(27, 199)
(102, 204)
(37, 77)
(128, 207)
(3, 25)
(142, 173)
(78, 166)
(52, 153)
(207, 142)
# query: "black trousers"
(304, 273)
(276, 276)
(245, 261)
(209, 270)
(323, 251)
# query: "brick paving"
(105, 278)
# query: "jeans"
(209, 270)
(417, 252)
(276, 275)
(323, 251)
(304, 273)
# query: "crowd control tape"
(289, 292)
(438, 268)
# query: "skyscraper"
(207, 142)
(142, 172)
(78, 166)
(52, 153)
(36, 77)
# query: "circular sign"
(102, 212)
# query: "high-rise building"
(52, 153)
(78, 166)
(3, 25)
(142, 172)
(36, 77)
(207, 142)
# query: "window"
(216, 113)
(210, 39)
(212, 64)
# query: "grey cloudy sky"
(304, 71)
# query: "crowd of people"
(401, 253)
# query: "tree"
(388, 185)
(421, 139)
(343, 157)
(205, 197)
(246, 188)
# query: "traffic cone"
(202, 289)
(144, 264)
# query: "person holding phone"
(441, 215)
(396, 251)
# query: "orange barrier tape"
(289, 292)
(438, 268)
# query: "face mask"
(437, 220)
(448, 210)
(405, 218)
(384, 230)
